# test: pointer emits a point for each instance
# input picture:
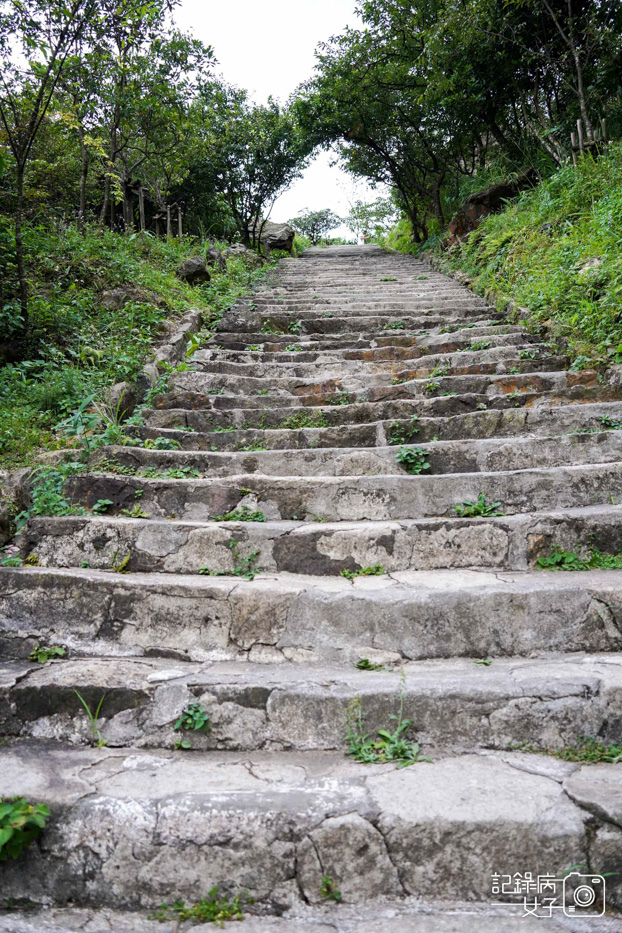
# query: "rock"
(193, 271)
(590, 267)
(239, 251)
(482, 203)
(275, 236)
(121, 398)
(213, 257)
(113, 299)
(5, 523)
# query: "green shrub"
(20, 823)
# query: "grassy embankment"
(557, 250)
(80, 341)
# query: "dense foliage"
(557, 252)
(426, 97)
(119, 118)
(98, 300)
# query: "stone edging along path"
(280, 540)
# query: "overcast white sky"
(268, 48)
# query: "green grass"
(537, 252)
(76, 346)
(559, 559)
(588, 750)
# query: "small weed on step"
(376, 571)
(478, 508)
(559, 559)
(413, 459)
(20, 823)
(44, 653)
(329, 890)
(214, 908)
(389, 746)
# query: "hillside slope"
(557, 251)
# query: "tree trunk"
(141, 207)
(106, 204)
(84, 169)
(169, 226)
(19, 246)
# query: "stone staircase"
(294, 413)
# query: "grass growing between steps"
(559, 559)
(588, 750)
(214, 908)
(556, 251)
(84, 336)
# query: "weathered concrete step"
(458, 362)
(373, 456)
(436, 343)
(456, 705)
(477, 422)
(369, 325)
(512, 542)
(387, 337)
(379, 386)
(352, 498)
(416, 615)
(273, 824)
(410, 915)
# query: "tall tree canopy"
(425, 94)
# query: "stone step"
(373, 456)
(433, 343)
(379, 386)
(369, 324)
(387, 337)
(274, 824)
(455, 705)
(447, 425)
(386, 915)
(353, 498)
(287, 617)
(494, 359)
(512, 542)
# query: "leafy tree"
(315, 224)
(376, 216)
(43, 33)
(249, 154)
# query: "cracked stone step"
(497, 359)
(274, 824)
(362, 324)
(492, 422)
(353, 498)
(387, 337)
(443, 344)
(322, 548)
(379, 386)
(416, 615)
(457, 704)
(373, 456)
(385, 916)
(433, 343)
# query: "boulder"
(482, 203)
(121, 399)
(193, 271)
(113, 299)
(239, 251)
(275, 236)
(213, 257)
(6, 523)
